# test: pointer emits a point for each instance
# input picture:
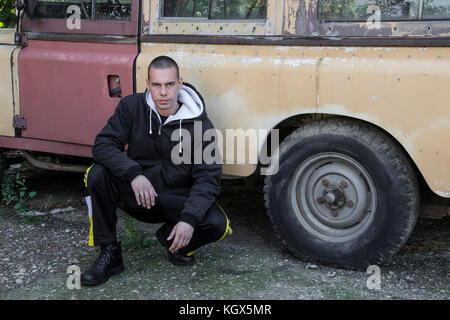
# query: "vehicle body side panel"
(8, 70)
(402, 90)
(46, 146)
(64, 88)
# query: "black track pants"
(106, 193)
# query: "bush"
(7, 14)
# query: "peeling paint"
(299, 62)
(292, 7)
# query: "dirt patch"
(250, 264)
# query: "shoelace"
(103, 258)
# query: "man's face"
(164, 86)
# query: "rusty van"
(358, 92)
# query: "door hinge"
(20, 39)
(19, 122)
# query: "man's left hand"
(181, 235)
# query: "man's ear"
(181, 80)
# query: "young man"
(145, 182)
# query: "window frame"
(160, 25)
(108, 27)
(312, 26)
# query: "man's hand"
(181, 234)
(143, 191)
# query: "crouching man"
(145, 182)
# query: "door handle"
(114, 86)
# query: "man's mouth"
(164, 101)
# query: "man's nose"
(163, 90)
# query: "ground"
(36, 252)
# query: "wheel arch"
(288, 125)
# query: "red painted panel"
(46, 146)
(64, 87)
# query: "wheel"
(345, 194)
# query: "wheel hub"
(334, 196)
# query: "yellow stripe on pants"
(228, 229)
(89, 205)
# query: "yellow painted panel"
(6, 90)
(7, 36)
(402, 90)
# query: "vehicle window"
(103, 9)
(436, 9)
(215, 9)
(360, 10)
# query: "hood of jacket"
(192, 105)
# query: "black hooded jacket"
(136, 123)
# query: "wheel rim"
(333, 197)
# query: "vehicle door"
(77, 64)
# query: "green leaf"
(32, 194)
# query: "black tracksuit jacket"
(150, 148)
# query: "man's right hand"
(143, 191)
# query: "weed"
(130, 238)
(14, 191)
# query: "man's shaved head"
(163, 62)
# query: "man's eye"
(156, 85)
(171, 84)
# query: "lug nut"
(344, 184)
(334, 213)
(320, 200)
(349, 203)
(325, 182)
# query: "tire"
(345, 194)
